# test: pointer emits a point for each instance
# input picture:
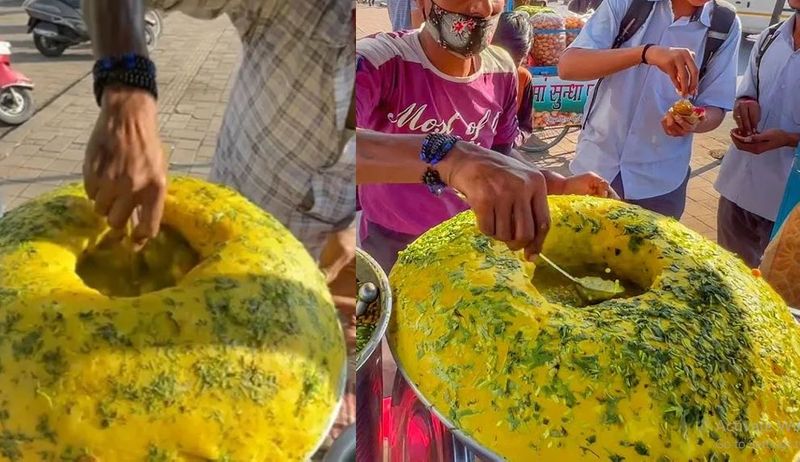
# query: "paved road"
(52, 76)
(195, 60)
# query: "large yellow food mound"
(242, 360)
(704, 365)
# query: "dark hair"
(514, 34)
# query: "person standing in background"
(755, 170)
(444, 85)
(514, 35)
(405, 14)
(629, 136)
(400, 14)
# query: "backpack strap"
(772, 34)
(634, 19)
(723, 15)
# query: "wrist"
(556, 184)
(457, 157)
(792, 139)
(645, 51)
(117, 96)
(435, 148)
(129, 69)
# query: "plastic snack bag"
(573, 25)
(533, 10)
(549, 38)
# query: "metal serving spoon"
(593, 289)
(367, 294)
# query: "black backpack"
(723, 15)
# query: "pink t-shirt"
(398, 90)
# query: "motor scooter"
(16, 91)
(58, 25)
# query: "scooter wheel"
(151, 38)
(155, 19)
(16, 105)
(49, 47)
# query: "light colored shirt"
(623, 134)
(398, 90)
(400, 14)
(282, 143)
(756, 182)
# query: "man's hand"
(338, 263)
(588, 184)
(124, 169)
(508, 197)
(760, 143)
(678, 126)
(678, 64)
(747, 114)
(339, 251)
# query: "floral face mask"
(461, 34)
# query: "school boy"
(754, 172)
(643, 51)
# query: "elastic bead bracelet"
(433, 181)
(434, 149)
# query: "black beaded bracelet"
(433, 181)
(436, 146)
(130, 70)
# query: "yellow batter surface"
(239, 356)
(698, 361)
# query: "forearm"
(116, 27)
(555, 182)
(581, 64)
(713, 119)
(387, 158)
(518, 156)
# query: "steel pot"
(420, 432)
(369, 366)
(344, 448)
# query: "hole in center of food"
(556, 288)
(115, 270)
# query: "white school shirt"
(623, 133)
(756, 182)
